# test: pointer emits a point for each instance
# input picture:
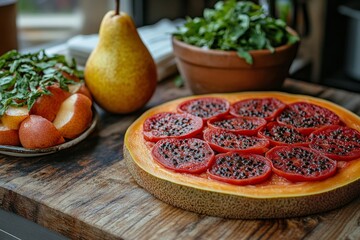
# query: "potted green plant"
(234, 47)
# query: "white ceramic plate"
(24, 152)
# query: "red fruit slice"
(307, 117)
(267, 108)
(300, 163)
(190, 155)
(49, 104)
(337, 142)
(167, 124)
(9, 136)
(241, 125)
(38, 132)
(281, 135)
(223, 141)
(205, 108)
(240, 169)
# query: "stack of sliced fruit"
(43, 100)
(248, 141)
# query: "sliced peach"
(38, 132)
(70, 76)
(47, 106)
(80, 88)
(8, 136)
(14, 116)
(74, 116)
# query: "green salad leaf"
(239, 26)
(24, 77)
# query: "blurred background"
(330, 29)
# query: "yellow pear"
(120, 72)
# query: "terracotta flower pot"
(215, 71)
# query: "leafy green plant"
(24, 77)
(233, 25)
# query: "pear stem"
(117, 7)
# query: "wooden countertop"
(86, 192)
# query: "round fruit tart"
(44, 101)
(247, 155)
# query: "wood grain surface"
(86, 192)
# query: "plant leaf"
(245, 55)
(179, 82)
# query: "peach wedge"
(38, 132)
(74, 116)
(14, 116)
(80, 88)
(8, 136)
(47, 106)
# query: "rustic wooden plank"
(132, 213)
(86, 192)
